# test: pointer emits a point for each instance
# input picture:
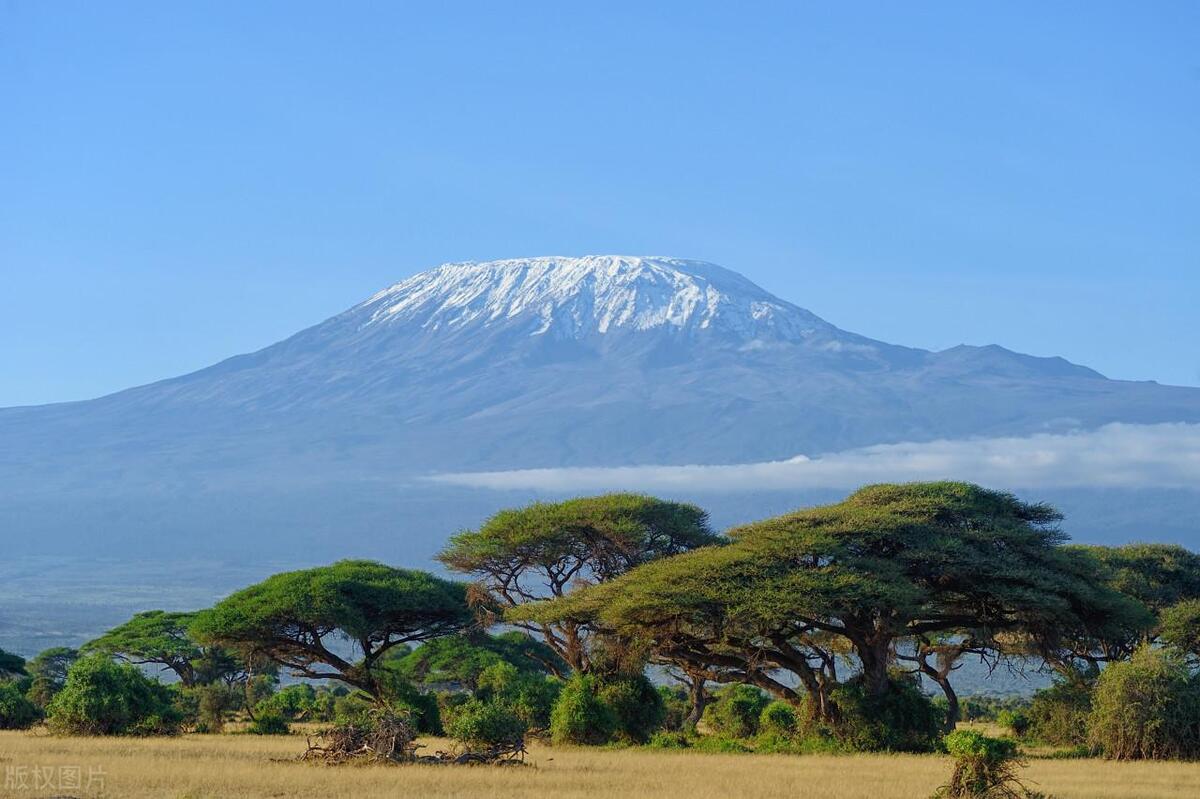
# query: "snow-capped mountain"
(555, 361)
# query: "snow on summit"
(574, 297)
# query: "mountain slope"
(603, 360)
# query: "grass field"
(233, 766)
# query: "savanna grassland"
(233, 766)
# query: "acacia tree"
(291, 618)
(890, 564)
(545, 549)
(1156, 576)
(155, 637)
(48, 670)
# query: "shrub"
(269, 721)
(480, 724)
(902, 720)
(579, 716)
(735, 712)
(106, 698)
(16, 711)
(1015, 720)
(1058, 714)
(1147, 707)
(670, 739)
(404, 697)
(983, 767)
(676, 707)
(779, 718)
(528, 694)
(292, 702)
(637, 704)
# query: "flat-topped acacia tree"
(290, 618)
(155, 637)
(541, 551)
(888, 564)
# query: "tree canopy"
(461, 659)
(11, 665)
(290, 617)
(889, 563)
(544, 549)
(153, 637)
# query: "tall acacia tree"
(544, 550)
(291, 618)
(889, 564)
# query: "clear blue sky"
(183, 182)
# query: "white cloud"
(1117, 455)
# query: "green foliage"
(1179, 627)
(888, 564)
(1146, 708)
(901, 720)
(580, 716)
(11, 665)
(530, 696)
(779, 718)
(637, 705)
(406, 699)
(1058, 715)
(153, 637)
(735, 712)
(293, 702)
(16, 711)
(287, 617)
(989, 708)
(479, 724)
(1016, 721)
(106, 698)
(676, 707)
(984, 768)
(525, 554)
(460, 659)
(269, 722)
(671, 739)
(48, 671)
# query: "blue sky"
(179, 184)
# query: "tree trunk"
(874, 657)
(699, 699)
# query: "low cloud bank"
(1116, 455)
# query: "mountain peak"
(569, 297)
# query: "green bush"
(579, 716)
(1058, 715)
(407, 699)
(101, 697)
(983, 767)
(779, 718)
(1016, 721)
(637, 704)
(528, 694)
(16, 711)
(269, 722)
(735, 712)
(1146, 708)
(676, 707)
(480, 724)
(671, 739)
(902, 720)
(293, 702)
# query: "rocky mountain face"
(603, 360)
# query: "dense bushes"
(580, 716)
(983, 767)
(1146, 708)
(105, 698)
(1058, 715)
(902, 720)
(269, 722)
(481, 724)
(735, 712)
(637, 705)
(16, 711)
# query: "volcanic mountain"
(539, 362)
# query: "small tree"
(1179, 628)
(290, 617)
(542, 550)
(106, 698)
(984, 768)
(154, 637)
(1146, 708)
(483, 725)
(48, 671)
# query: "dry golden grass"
(234, 766)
